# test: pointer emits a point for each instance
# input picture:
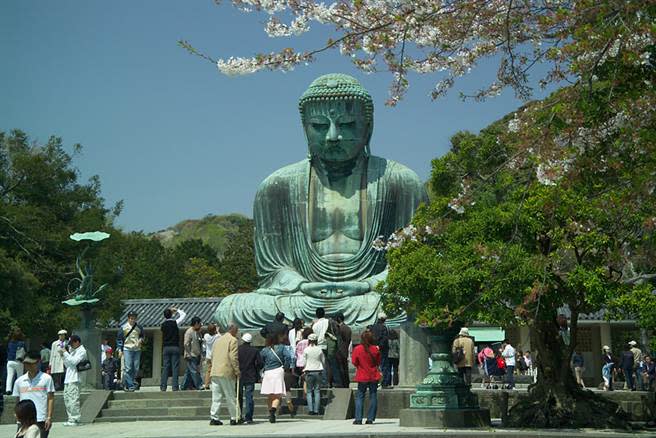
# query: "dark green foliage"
(42, 203)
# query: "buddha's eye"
(319, 126)
(347, 125)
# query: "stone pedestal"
(91, 337)
(414, 354)
(443, 399)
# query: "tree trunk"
(556, 400)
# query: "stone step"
(224, 417)
(189, 411)
(122, 395)
(181, 402)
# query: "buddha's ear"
(370, 131)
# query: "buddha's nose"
(333, 133)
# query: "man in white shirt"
(319, 328)
(40, 388)
(72, 380)
(508, 355)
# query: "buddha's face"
(336, 130)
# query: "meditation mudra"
(316, 220)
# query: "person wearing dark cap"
(39, 387)
(380, 333)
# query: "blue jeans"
(131, 360)
(386, 368)
(313, 382)
(638, 378)
(170, 364)
(628, 375)
(192, 374)
(246, 391)
(373, 400)
(510, 375)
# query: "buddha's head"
(337, 115)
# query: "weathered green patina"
(316, 220)
(84, 293)
(443, 388)
(442, 398)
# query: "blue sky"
(164, 130)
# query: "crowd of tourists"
(499, 364)
(497, 367)
(308, 355)
(33, 376)
(302, 355)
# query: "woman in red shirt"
(366, 358)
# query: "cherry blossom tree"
(554, 205)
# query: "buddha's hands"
(335, 290)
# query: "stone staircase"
(147, 405)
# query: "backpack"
(501, 364)
(458, 355)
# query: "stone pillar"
(525, 338)
(91, 337)
(593, 366)
(414, 352)
(157, 355)
(442, 399)
(604, 336)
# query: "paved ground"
(300, 429)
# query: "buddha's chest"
(336, 224)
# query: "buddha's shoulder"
(285, 175)
(395, 170)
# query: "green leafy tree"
(41, 204)
(551, 206)
(204, 280)
(238, 263)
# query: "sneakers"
(233, 422)
(216, 423)
(357, 421)
(368, 422)
(71, 423)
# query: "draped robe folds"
(286, 258)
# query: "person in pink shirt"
(482, 355)
(300, 348)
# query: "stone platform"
(306, 429)
(150, 404)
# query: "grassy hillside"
(213, 230)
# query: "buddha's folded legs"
(254, 310)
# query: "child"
(26, 415)
(109, 367)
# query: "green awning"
(487, 334)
